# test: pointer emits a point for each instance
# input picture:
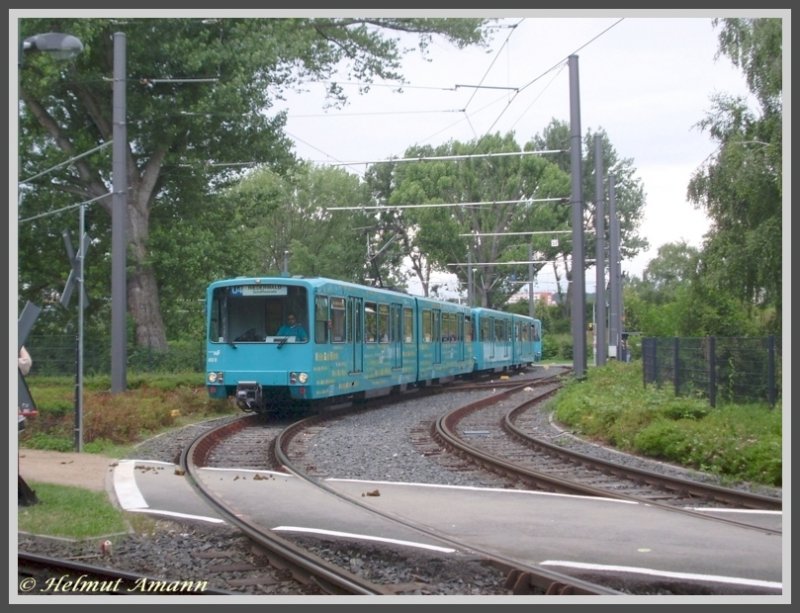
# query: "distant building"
(544, 298)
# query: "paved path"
(87, 470)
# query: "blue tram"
(274, 342)
(505, 340)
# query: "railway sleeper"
(521, 583)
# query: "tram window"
(371, 321)
(408, 325)
(383, 323)
(321, 319)
(217, 312)
(486, 329)
(468, 329)
(448, 327)
(395, 323)
(500, 330)
(427, 326)
(337, 320)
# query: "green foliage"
(614, 407)
(53, 440)
(733, 287)
(179, 355)
(200, 105)
(69, 512)
(438, 236)
(279, 219)
(150, 405)
(740, 186)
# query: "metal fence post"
(676, 364)
(712, 370)
(771, 370)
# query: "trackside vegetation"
(612, 406)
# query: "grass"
(112, 426)
(70, 512)
(734, 442)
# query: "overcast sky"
(645, 81)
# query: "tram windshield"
(258, 313)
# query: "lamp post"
(60, 46)
(63, 47)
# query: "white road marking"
(363, 537)
(125, 487)
(662, 573)
(212, 520)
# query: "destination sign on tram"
(259, 290)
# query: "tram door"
(460, 338)
(437, 336)
(355, 335)
(396, 335)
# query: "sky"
(645, 81)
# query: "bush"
(149, 405)
(735, 442)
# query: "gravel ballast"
(388, 444)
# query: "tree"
(520, 194)
(658, 304)
(199, 94)
(740, 186)
(283, 220)
(630, 197)
(674, 265)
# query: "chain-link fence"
(731, 369)
(57, 355)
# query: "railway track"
(488, 433)
(510, 577)
(45, 575)
(340, 565)
(508, 424)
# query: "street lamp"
(66, 46)
(60, 46)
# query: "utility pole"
(614, 316)
(578, 280)
(119, 218)
(601, 344)
(531, 295)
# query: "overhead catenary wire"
(429, 158)
(66, 208)
(387, 207)
(66, 162)
(517, 233)
(517, 90)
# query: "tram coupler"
(248, 396)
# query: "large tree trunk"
(143, 301)
(144, 308)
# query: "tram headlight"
(215, 378)
(298, 377)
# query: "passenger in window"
(292, 327)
